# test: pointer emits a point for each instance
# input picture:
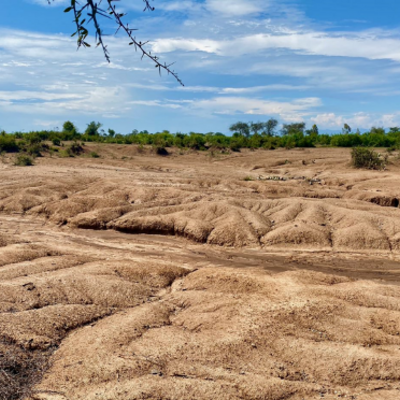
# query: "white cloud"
(89, 101)
(328, 120)
(52, 2)
(113, 65)
(265, 88)
(26, 95)
(316, 43)
(50, 84)
(155, 103)
(219, 90)
(240, 105)
(235, 8)
(47, 124)
(180, 6)
(361, 120)
(246, 105)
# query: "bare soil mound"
(292, 203)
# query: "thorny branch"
(92, 9)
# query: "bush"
(161, 151)
(93, 154)
(23, 160)
(363, 157)
(56, 142)
(75, 149)
(8, 145)
(290, 143)
(34, 150)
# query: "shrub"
(161, 151)
(8, 144)
(75, 149)
(33, 138)
(363, 157)
(394, 147)
(56, 142)
(290, 143)
(23, 160)
(34, 150)
(93, 154)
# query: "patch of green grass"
(64, 154)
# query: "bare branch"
(93, 10)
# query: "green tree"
(69, 127)
(242, 128)
(378, 131)
(346, 129)
(93, 129)
(269, 127)
(256, 127)
(313, 131)
(111, 133)
(294, 128)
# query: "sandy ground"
(255, 275)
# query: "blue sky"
(320, 61)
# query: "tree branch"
(94, 11)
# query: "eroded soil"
(257, 275)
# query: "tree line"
(251, 135)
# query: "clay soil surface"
(254, 275)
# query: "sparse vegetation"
(256, 135)
(23, 160)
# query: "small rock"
(155, 372)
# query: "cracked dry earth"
(260, 275)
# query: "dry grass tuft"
(20, 370)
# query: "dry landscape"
(254, 275)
